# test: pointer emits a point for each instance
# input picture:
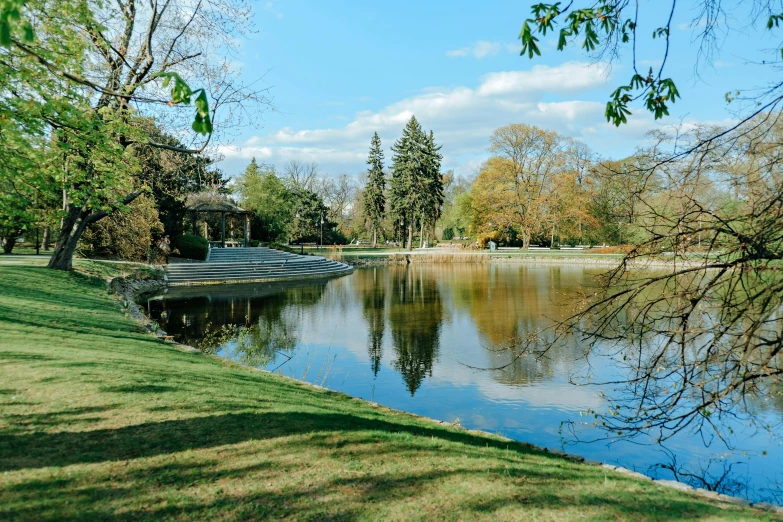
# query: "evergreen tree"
(431, 193)
(262, 191)
(373, 202)
(407, 177)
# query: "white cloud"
(462, 119)
(570, 77)
(481, 49)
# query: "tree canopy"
(80, 79)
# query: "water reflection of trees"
(511, 304)
(373, 296)
(263, 318)
(415, 316)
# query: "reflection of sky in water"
(406, 337)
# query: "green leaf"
(528, 41)
(5, 34)
(562, 42)
(202, 106)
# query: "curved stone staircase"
(252, 265)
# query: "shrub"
(485, 238)
(130, 234)
(191, 247)
(448, 234)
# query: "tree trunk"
(410, 236)
(374, 238)
(421, 235)
(525, 240)
(10, 241)
(47, 238)
(73, 226)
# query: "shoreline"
(127, 286)
(588, 260)
(107, 421)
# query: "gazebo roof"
(206, 202)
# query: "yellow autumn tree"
(520, 186)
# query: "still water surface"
(410, 337)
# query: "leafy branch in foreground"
(16, 30)
(605, 26)
(691, 318)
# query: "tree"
(300, 175)
(416, 189)
(83, 84)
(171, 176)
(406, 173)
(458, 214)
(308, 210)
(126, 235)
(374, 197)
(337, 195)
(261, 191)
(513, 186)
(705, 334)
(431, 191)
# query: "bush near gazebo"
(190, 247)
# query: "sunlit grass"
(101, 421)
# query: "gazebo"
(205, 203)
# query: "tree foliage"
(261, 191)
(525, 186)
(374, 197)
(416, 187)
(131, 235)
(285, 211)
(78, 75)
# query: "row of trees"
(90, 95)
(300, 202)
(540, 187)
(289, 208)
(413, 196)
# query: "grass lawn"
(100, 421)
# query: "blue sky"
(339, 70)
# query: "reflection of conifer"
(376, 349)
(374, 302)
(415, 316)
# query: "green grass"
(100, 421)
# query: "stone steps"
(235, 265)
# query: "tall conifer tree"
(431, 195)
(374, 203)
(406, 178)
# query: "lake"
(425, 338)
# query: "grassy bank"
(100, 421)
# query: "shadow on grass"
(20, 356)
(370, 496)
(64, 448)
(139, 388)
(58, 418)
